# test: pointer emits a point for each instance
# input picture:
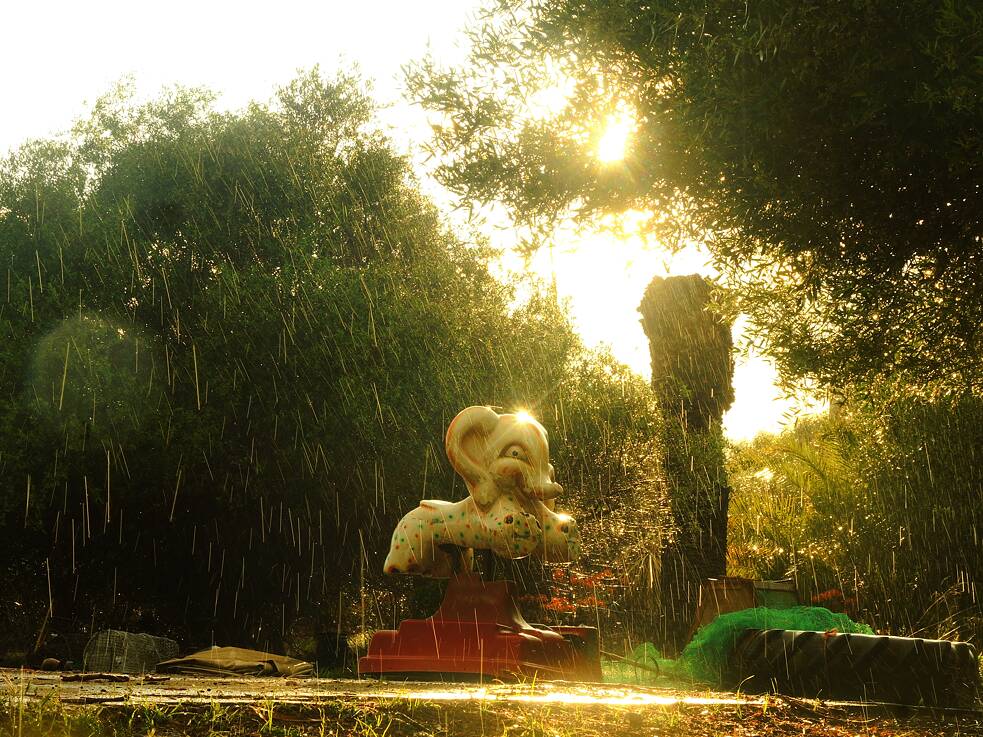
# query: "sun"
(613, 142)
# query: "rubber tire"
(849, 667)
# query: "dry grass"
(25, 717)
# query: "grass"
(24, 717)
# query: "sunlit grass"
(595, 695)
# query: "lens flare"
(614, 140)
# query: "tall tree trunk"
(692, 373)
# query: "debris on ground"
(237, 661)
(116, 651)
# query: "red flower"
(556, 604)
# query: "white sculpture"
(504, 460)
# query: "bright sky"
(605, 278)
(58, 56)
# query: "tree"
(692, 375)
(232, 342)
(230, 345)
(828, 153)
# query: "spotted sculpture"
(504, 461)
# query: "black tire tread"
(854, 667)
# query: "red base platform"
(479, 633)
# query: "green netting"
(705, 657)
(648, 670)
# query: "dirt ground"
(39, 703)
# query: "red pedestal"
(479, 633)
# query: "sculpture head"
(497, 454)
(504, 459)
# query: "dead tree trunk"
(692, 374)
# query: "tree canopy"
(230, 344)
(828, 154)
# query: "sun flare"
(613, 142)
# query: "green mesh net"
(643, 665)
(705, 657)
